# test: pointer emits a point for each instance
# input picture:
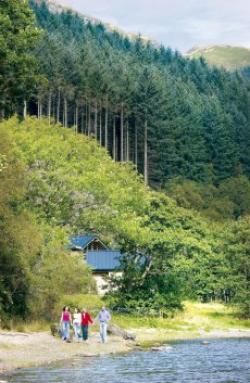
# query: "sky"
(180, 24)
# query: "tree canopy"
(118, 111)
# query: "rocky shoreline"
(21, 350)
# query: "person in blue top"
(103, 318)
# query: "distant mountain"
(224, 56)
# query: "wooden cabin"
(103, 261)
(86, 243)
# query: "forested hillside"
(66, 184)
(169, 115)
(183, 125)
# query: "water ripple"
(220, 361)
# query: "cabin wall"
(102, 281)
(95, 246)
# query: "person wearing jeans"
(86, 319)
(77, 324)
(65, 323)
(103, 318)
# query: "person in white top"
(77, 324)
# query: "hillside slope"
(169, 115)
(73, 184)
(223, 56)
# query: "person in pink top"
(65, 323)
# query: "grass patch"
(28, 326)
(195, 316)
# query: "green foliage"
(72, 182)
(35, 268)
(237, 248)
(88, 77)
(229, 200)
(197, 116)
(18, 35)
(189, 321)
(173, 117)
(72, 186)
(54, 273)
(15, 228)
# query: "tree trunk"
(86, 118)
(127, 142)
(58, 107)
(65, 112)
(95, 120)
(82, 122)
(38, 109)
(25, 109)
(146, 152)
(100, 125)
(76, 118)
(53, 110)
(136, 145)
(106, 125)
(41, 109)
(122, 134)
(89, 119)
(114, 139)
(49, 108)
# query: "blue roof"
(104, 260)
(81, 241)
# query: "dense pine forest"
(172, 117)
(109, 112)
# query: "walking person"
(77, 318)
(85, 321)
(103, 317)
(65, 323)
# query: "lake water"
(220, 361)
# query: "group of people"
(80, 320)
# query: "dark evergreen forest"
(171, 116)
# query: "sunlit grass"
(29, 326)
(195, 316)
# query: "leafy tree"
(18, 236)
(34, 262)
(237, 251)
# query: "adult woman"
(77, 318)
(65, 323)
(86, 319)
